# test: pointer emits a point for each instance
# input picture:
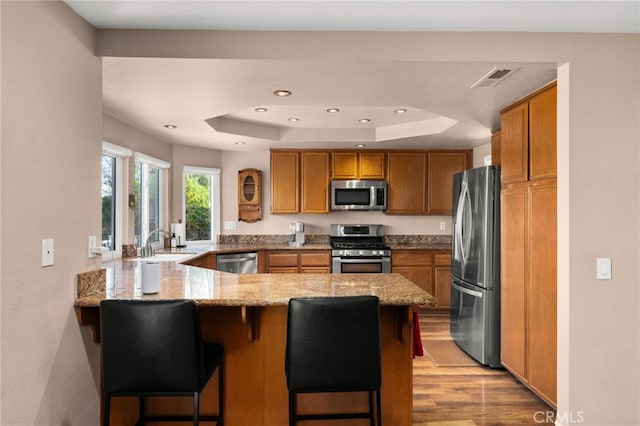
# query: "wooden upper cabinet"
(345, 165)
(514, 144)
(495, 148)
(543, 134)
(528, 137)
(357, 165)
(406, 178)
(315, 182)
(249, 195)
(371, 165)
(285, 182)
(441, 167)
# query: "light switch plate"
(230, 225)
(47, 252)
(603, 268)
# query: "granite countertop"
(214, 288)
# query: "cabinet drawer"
(282, 259)
(410, 258)
(315, 259)
(443, 259)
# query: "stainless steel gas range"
(359, 249)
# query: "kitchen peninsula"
(247, 314)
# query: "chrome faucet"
(147, 250)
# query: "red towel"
(417, 340)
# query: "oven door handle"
(367, 260)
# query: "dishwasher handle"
(236, 259)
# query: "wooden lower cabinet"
(529, 285)
(442, 280)
(298, 261)
(428, 269)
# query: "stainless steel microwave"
(358, 195)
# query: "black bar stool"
(333, 345)
(155, 348)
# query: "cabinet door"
(542, 294)
(514, 145)
(285, 182)
(495, 148)
(315, 269)
(513, 279)
(542, 134)
(249, 187)
(406, 177)
(282, 259)
(442, 286)
(442, 279)
(441, 168)
(371, 165)
(316, 258)
(422, 276)
(344, 165)
(414, 265)
(315, 182)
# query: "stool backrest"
(151, 346)
(333, 344)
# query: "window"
(112, 198)
(149, 191)
(201, 203)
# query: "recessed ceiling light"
(360, 145)
(400, 111)
(261, 110)
(364, 120)
(170, 126)
(332, 110)
(294, 119)
(239, 143)
(282, 93)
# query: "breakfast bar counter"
(248, 314)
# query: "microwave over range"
(358, 195)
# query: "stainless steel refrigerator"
(475, 264)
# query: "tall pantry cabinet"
(528, 241)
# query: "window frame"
(148, 162)
(215, 206)
(119, 153)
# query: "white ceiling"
(198, 95)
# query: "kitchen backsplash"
(432, 240)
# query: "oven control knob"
(361, 252)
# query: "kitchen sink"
(163, 257)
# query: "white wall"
(51, 146)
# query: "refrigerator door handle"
(464, 225)
(467, 291)
(459, 227)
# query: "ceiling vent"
(494, 77)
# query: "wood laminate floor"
(469, 396)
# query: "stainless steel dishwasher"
(238, 263)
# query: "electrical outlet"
(443, 226)
(230, 225)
